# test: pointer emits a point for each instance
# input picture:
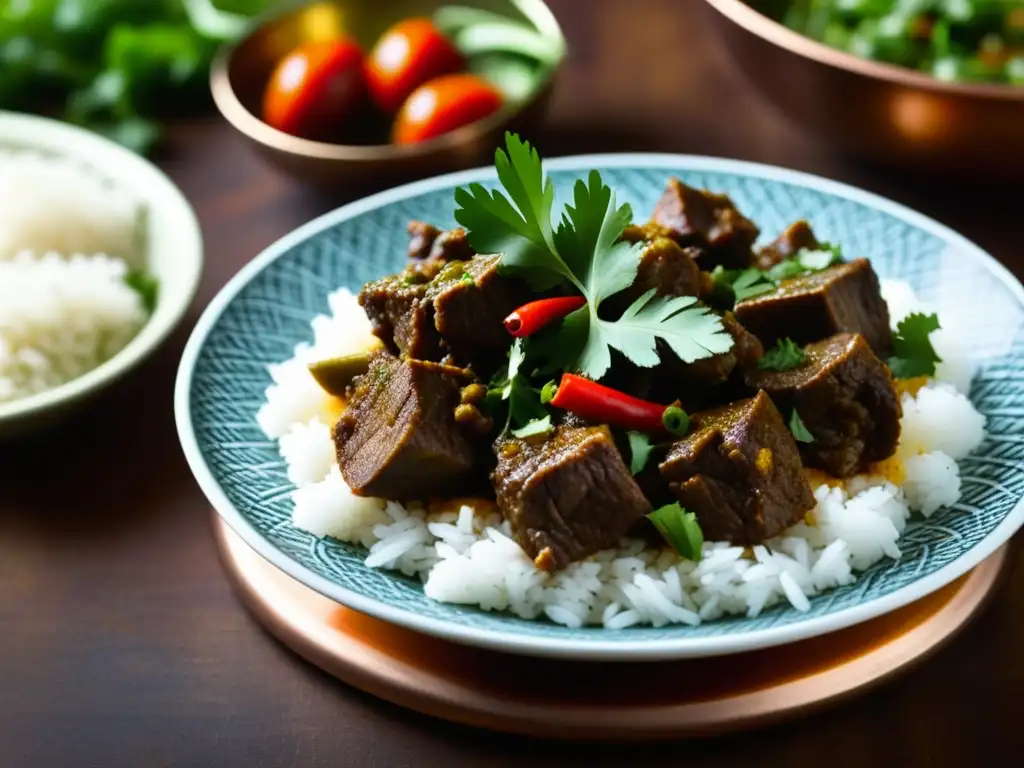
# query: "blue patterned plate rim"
(596, 645)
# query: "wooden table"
(121, 642)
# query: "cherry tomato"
(314, 87)
(442, 105)
(406, 56)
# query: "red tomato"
(406, 56)
(314, 87)
(442, 105)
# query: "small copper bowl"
(241, 70)
(880, 112)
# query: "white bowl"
(174, 255)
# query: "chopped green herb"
(784, 356)
(913, 353)
(467, 278)
(680, 529)
(639, 451)
(146, 286)
(547, 392)
(510, 388)
(800, 431)
(534, 428)
(751, 282)
(676, 420)
(586, 251)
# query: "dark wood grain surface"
(121, 643)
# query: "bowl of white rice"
(100, 257)
(255, 428)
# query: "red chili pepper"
(530, 318)
(596, 402)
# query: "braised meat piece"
(693, 217)
(459, 312)
(797, 237)
(398, 438)
(402, 315)
(845, 298)
(846, 399)
(421, 239)
(567, 496)
(430, 249)
(739, 472)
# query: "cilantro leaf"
(680, 529)
(146, 286)
(784, 356)
(639, 451)
(511, 389)
(584, 250)
(691, 331)
(534, 428)
(589, 238)
(800, 431)
(913, 353)
(751, 282)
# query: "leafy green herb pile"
(953, 40)
(584, 251)
(114, 66)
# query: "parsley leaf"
(691, 331)
(799, 429)
(586, 251)
(913, 353)
(511, 388)
(520, 228)
(784, 356)
(680, 529)
(751, 282)
(534, 427)
(146, 286)
(640, 451)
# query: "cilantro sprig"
(784, 356)
(680, 529)
(735, 285)
(913, 353)
(800, 431)
(585, 251)
(510, 390)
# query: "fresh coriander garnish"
(584, 250)
(146, 286)
(800, 431)
(913, 353)
(467, 278)
(511, 388)
(680, 529)
(751, 282)
(784, 356)
(534, 427)
(639, 451)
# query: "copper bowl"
(881, 112)
(241, 70)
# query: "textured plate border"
(620, 650)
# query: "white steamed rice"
(67, 240)
(468, 556)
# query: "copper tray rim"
(756, 23)
(383, 676)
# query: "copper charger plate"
(590, 701)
